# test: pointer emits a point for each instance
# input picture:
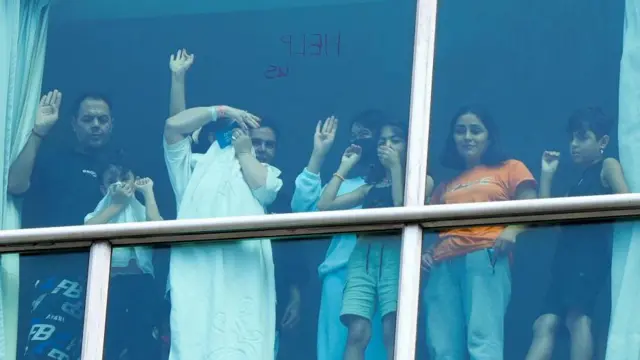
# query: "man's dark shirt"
(289, 259)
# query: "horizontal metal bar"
(300, 224)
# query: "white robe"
(223, 293)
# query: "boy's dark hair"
(202, 144)
(113, 173)
(590, 119)
(89, 96)
(114, 167)
(493, 156)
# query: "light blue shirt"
(305, 198)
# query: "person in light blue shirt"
(332, 334)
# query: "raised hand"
(241, 142)
(388, 156)
(245, 119)
(351, 157)
(325, 135)
(121, 193)
(550, 161)
(143, 185)
(48, 112)
(180, 62)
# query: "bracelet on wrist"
(339, 176)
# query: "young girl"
(373, 268)
(132, 270)
(469, 286)
(583, 255)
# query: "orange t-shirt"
(480, 184)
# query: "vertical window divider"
(95, 314)
(416, 175)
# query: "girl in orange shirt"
(469, 285)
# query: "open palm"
(48, 111)
(181, 62)
(325, 134)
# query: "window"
(557, 278)
(292, 66)
(509, 82)
(325, 290)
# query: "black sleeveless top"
(585, 242)
(378, 197)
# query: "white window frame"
(411, 219)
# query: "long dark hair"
(377, 172)
(493, 155)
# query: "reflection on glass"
(526, 105)
(51, 306)
(346, 311)
(281, 76)
(492, 297)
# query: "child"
(583, 255)
(373, 269)
(132, 273)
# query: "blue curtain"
(23, 30)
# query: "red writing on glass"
(312, 44)
(276, 71)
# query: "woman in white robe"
(222, 294)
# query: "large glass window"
(192, 111)
(320, 298)
(534, 292)
(526, 91)
(265, 105)
(45, 318)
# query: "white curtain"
(624, 331)
(23, 33)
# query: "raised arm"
(186, 122)
(309, 184)
(254, 173)
(190, 120)
(145, 187)
(20, 171)
(329, 199)
(179, 64)
(550, 161)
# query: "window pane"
(288, 65)
(44, 319)
(301, 299)
(509, 87)
(542, 297)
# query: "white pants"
(465, 300)
(332, 334)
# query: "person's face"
(471, 138)
(264, 143)
(359, 131)
(393, 137)
(128, 179)
(586, 148)
(93, 123)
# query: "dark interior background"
(531, 63)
